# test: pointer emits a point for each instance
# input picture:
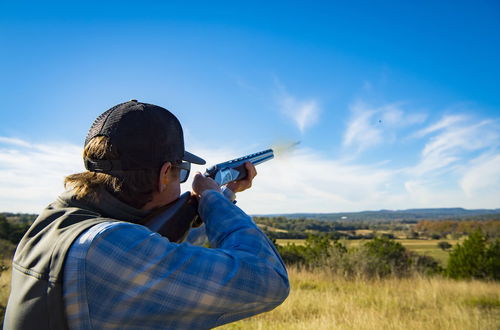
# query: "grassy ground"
(428, 247)
(4, 286)
(319, 301)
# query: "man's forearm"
(228, 227)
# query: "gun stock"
(174, 220)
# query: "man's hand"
(202, 183)
(244, 184)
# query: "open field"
(427, 247)
(291, 241)
(320, 301)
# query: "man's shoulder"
(112, 230)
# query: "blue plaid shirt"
(119, 275)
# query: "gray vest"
(36, 299)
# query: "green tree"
(314, 253)
(5, 228)
(493, 259)
(475, 258)
(12, 232)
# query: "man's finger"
(252, 171)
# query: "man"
(88, 263)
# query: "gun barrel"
(234, 169)
(262, 159)
(255, 158)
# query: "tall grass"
(6, 253)
(5, 276)
(319, 300)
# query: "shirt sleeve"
(198, 236)
(232, 232)
(137, 278)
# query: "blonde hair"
(134, 188)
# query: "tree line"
(12, 231)
(456, 229)
(283, 227)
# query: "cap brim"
(189, 157)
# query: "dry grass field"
(318, 301)
(4, 285)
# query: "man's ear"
(163, 177)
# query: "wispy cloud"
(370, 126)
(362, 131)
(446, 122)
(451, 140)
(304, 113)
(31, 175)
(14, 141)
(482, 177)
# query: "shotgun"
(176, 219)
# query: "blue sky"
(396, 104)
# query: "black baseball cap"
(145, 136)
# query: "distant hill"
(410, 215)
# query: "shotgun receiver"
(176, 219)
(234, 170)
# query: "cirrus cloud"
(304, 113)
(370, 126)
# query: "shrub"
(425, 265)
(412, 235)
(313, 253)
(444, 245)
(475, 258)
(389, 257)
(378, 258)
(292, 254)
